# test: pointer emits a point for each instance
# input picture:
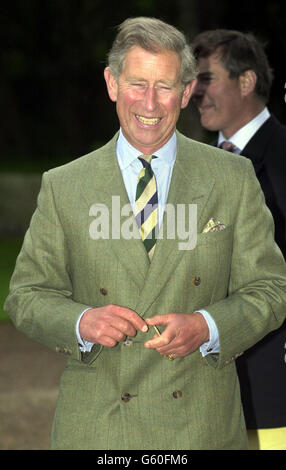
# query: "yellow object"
(267, 439)
(168, 356)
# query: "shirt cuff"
(212, 346)
(84, 346)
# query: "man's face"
(218, 97)
(149, 97)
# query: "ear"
(188, 91)
(247, 82)
(111, 83)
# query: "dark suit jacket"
(262, 369)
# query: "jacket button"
(128, 342)
(177, 394)
(103, 291)
(67, 351)
(196, 281)
(125, 397)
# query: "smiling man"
(100, 300)
(225, 103)
(234, 80)
(149, 97)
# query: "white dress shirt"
(162, 167)
(241, 138)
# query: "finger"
(131, 316)
(178, 348)
(173, 343)
(107, 342)
(158, 341)
(123, 327)
(170, 349)
(108, 336)
(160, 319)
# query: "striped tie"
(146, 211)
(229, 146)
(146, 205)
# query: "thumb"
(159, 339)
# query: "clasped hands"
(111, 324)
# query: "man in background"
(232, 91)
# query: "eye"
(138, 85)
(205, 80)
(163, 88)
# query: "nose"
(199, 90)
(150, 99)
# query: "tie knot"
(146, 160)
(227, 146)
(146, 157)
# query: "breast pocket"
(217, 236)
(213, 256)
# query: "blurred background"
(54, 108)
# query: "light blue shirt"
(162, 167)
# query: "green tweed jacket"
(129, 397)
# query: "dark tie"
(146, 205)
(227, 146)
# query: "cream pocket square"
(213, 226)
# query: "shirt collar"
(241, 138)
(126, 153)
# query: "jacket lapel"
(255, 148)
(103, 185)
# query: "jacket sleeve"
(40, 302)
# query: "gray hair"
(152, 35)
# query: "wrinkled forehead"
(164, 64)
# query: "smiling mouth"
(148, 121)
(205, 107)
